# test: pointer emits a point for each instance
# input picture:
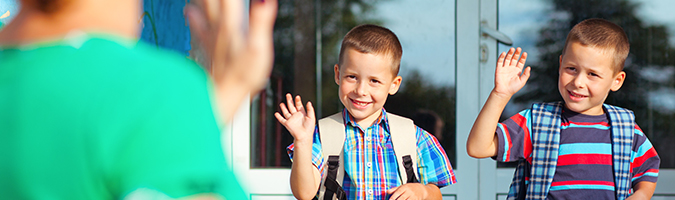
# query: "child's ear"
(336, 69)
(395, 85)
(618, 81)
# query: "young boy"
(579, 148)
(366, 73)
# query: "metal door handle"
(494, 33)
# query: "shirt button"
(367, 138)
(369, 164)
(370, 192)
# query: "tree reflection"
(418, 98)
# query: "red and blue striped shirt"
(584, 169)
(370, 164)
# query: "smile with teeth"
(359, 103)
(573, 94)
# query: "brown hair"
(374, 39)
(47, 6)
(602, 34)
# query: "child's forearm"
(642, 190)
(482, 141)
(305, 178)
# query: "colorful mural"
(164, 25)
(163, 22)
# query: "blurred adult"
(88, 112)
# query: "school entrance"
(450, 49)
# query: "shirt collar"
(381, 120)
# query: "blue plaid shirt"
(370, 164)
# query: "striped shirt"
(584, 169)
(370, 164)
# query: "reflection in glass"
(294, 72)
(426, 31)
(649, 90)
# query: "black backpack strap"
(408, 165)
(332, 186)
(332, 136)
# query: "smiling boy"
(366, 73)
(579, 148)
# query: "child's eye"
(593, 74)
(571, 69)
(374, 81)
(351, 77)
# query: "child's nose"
(579, 81)
(361, 88)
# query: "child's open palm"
(509, 75)
(296, 119)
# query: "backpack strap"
(332, 135)
(545, 144)
(545, 126)
(517, 188)
(404, 140)
(622, 122)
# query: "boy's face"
(586, 77)
(365, 81)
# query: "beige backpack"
(332, 133)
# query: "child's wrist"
(303, 142)
(501, 95)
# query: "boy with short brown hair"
(579, 148)
(367, 72)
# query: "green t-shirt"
(99, 117)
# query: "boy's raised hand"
(509, 78)
(509, 75)
(298, 120)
